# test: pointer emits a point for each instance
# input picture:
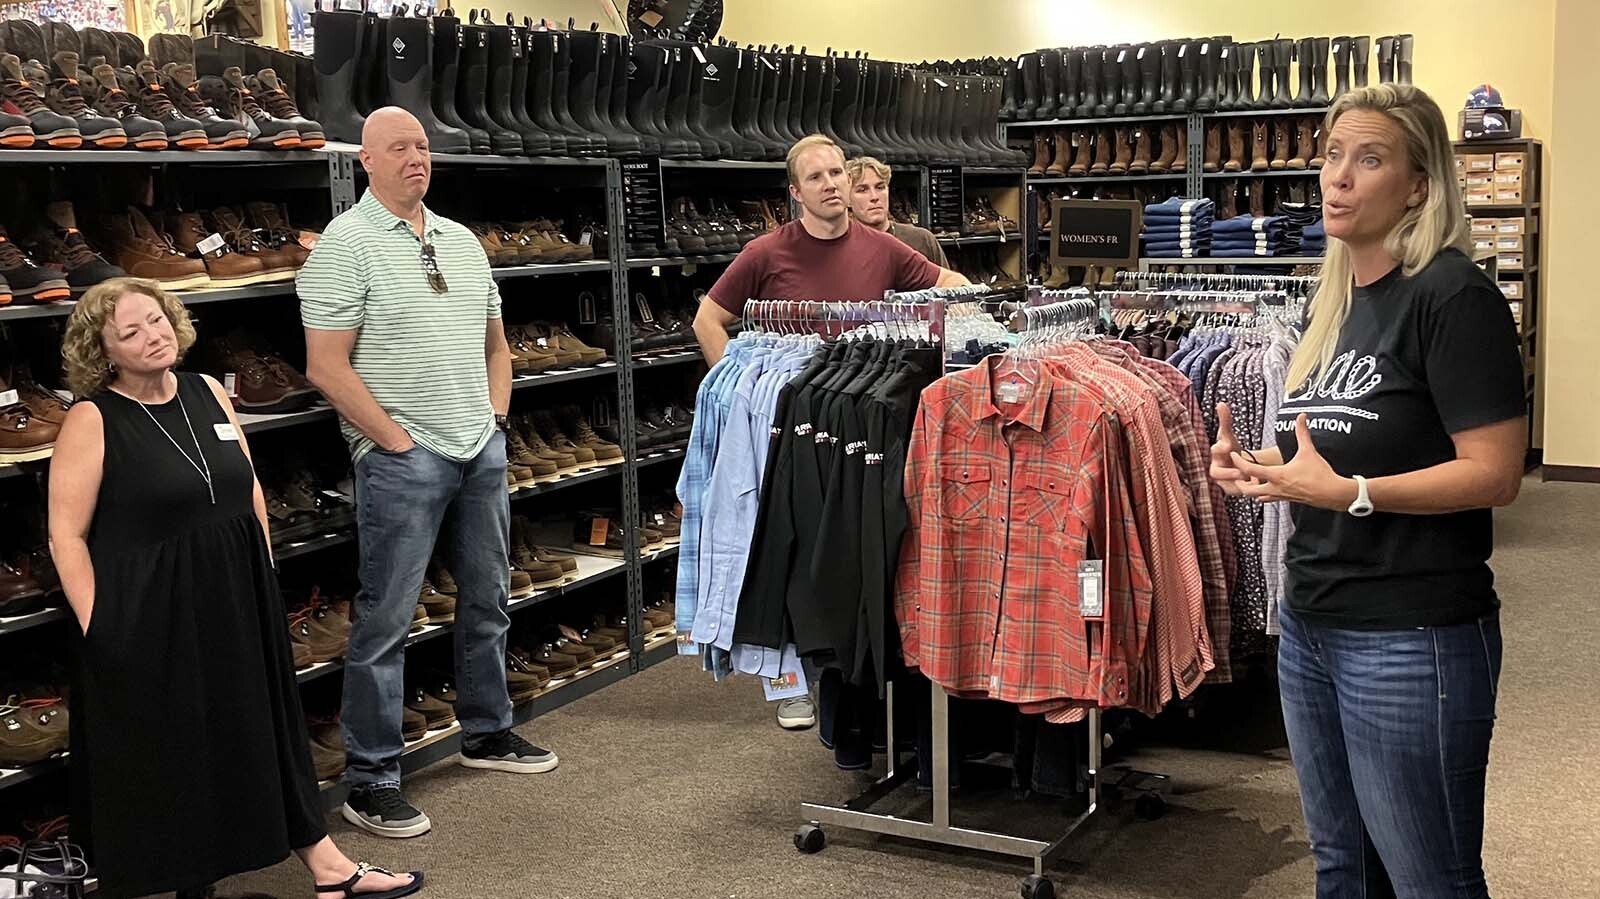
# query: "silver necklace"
(202, 468)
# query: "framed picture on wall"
(147, 17)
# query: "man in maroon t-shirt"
(819, 256)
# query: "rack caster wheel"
(1035, 886)
(1150, 806)
(810, 839)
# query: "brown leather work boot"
(226, 268)
(1166, 149)
(142, 251)
(1213, 157)
(1280, 145)
(276, 264)
(526, 353)
(1123, 152)
(566, 463)
(1236, 158)
(1102, 152)
(1041, 153)
(327, 749)
(1081, 151)
(1260, 160)
(1180, 159)
(272, 227)
(1321, 153)
(25, 436)
(538, 468)
(578, 428)
(544, 574)
(1141, 152)
(441, 608)
(1305, 144)
(545, 424)
(31, 730)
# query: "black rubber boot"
(621, 83)
(1071, 83)
(370, 88)
(1282, 55)
(1319, 73)
(811, 71)
(677, 105)
(870, 115)
(771, 65)
(1110, 81)
(1032, 94)
(1264, 57)
(1305, 54)
(1012, 97)
(1245, 60)
(447, 67)
(747, 102)
(777, 88)
(215, 54)
(620, 139)
(1130, 80)
(505, 58)
(562, 99)
(1148, 57)
(694, 112)
(1188, 73)
(546, 143)
(1360, 53)
(534, 102)
(1405, 47)
(719, 98)
(1228, 94)
(849, 84)
(1206, 97)
(585, 76)
(472, 86)
(541, 92)
(798, 63)
(887, 110)
(1093, 61)
(1049, 84)
(337, 40)
(1168, 94)
(409, 70)
(1341, 65)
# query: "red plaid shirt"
(1002, 506)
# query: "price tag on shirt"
(1091, 589)
(787, 685)
(597, 531)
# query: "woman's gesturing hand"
(1223, 470)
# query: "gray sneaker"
(383, 810)
(505, 751)
(797, 713)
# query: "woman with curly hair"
(190, 756)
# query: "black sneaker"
(505, 751)
(383, 810)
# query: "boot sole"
(187, 282)
(115, 142)
(62, 141)
(236, 141)
(152, 142)
(250, 280)
(191, 140)
(49, 292)
(509, 767)
(20, 137)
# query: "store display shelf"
(165, 157)
(1097, 120)
(1486, 207)
(187, 297)
(1279, 173)
(657, 456)
(445, 742)
(671, 261)
(509, 272)
(1257, 113)
(1015, 171)
(493, 161)
(1224, 260)
(557, 377)
(10, 777)
(727, 164)
(1519, 272)
(295, 548)
(668, 552)
(582, 477)
(16, 470)
(1107, 179)
(31, 620)
(659, 650)
(670, 357)
(977, 239)
(255, 424)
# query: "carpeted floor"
(672, 786)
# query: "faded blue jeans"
(402, 499)
(1390, 736)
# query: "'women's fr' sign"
(1095, 232)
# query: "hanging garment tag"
(787, 685)
(1091, 588)
(211, 244)
(1273, 630)
(230, 384)
(226, 431)
(9, 398)
(698, 55)
(1010, 392)
(597, 531)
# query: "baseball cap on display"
(1484, 96)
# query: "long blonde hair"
(1438, 222)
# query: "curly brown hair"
(83, 349)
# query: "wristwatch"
(502, 423)
(1362, 507)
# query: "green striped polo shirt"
(420, 353)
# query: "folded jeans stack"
(1247, 235)
(1303, 234)
(1178, 227)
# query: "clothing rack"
(1217, 280)
(838, 318)
(1044, 322)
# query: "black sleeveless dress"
(191, 760)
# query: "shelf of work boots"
(673, 261)
(162, 157)
(1280, 173)
(674, 357)
(659, 455)
(17, 623)
(1106, 179)
(572, 480)
(558, 268)
(187, 297)
(1258, 113)
(10, 777)
(1097, 120)
(979, 239)
(489, 159)
(733, 164)
(591, 570)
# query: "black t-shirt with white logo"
(1419, 359)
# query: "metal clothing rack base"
(855, 814)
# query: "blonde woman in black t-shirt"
(1403, 425)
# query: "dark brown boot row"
(1293, 143)
(1120, 150)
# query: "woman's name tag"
(226, 431)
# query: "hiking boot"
(566, 463)
(30, 282)
(526, 353)
(543, 574)
(276, 264)
(31, 730)
(20, 592)
(561, 665)
(324, 632)
(234, 99)
(155, 104)
(273, 229)
(489, 237)
(577, 426)
(441, 578)
(438, 712)
(327, 749)
(225, 267)
(419, 618)
(106, 96)
(441, 608)
(64, 247)
(280, 105)
(64, 96)
(413, 725)
(539, 468)
(521, 583)
(20, 96)
(183, 86)
(444, 690)
(144, 252)
(599, 535)
(16, 132)
(264, 373)
(569, 341)
(545, 424)
(554, 246)
(301, 654)
(524, 679)
(545, 336)
(567, 563)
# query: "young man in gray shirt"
(869, 205)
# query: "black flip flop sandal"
(362, 870)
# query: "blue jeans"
(1390, 736)
(402, 499)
